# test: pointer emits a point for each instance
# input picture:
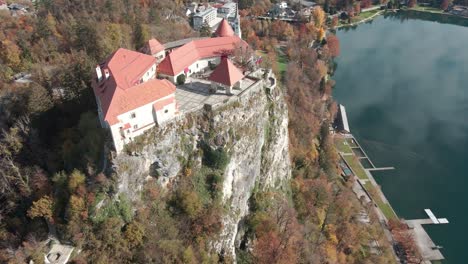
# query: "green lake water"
(404, 82)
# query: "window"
(128, 131)
(135, 126)
(197, 65)
(132, 115)
(165, 111)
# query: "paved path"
(361, 21)
(426, 245)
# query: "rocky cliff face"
(252, 130)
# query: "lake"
(404, 82)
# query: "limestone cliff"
(252, 129)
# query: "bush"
(215, 182)
(216, 159)
(181, 79)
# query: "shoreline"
(380, 12)
(365, 187)
(405, 9)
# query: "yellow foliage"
(320, 34)
(188, 172)
(76, 179)
(330, 251)
(331, 234)
(77, 205)
(321, 216)
(10, 54)
(319, 17)
(41, 208)
(134, 233)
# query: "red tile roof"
(159, 105)
(126, 67)
(183, 57)
(226, 73)
(224, 29)
(153, 46)
(121, 92)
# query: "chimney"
(107, 73)
(98, 73)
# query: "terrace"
(198, 91)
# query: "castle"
(135, 91)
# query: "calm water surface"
(405, 86)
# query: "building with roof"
(129, 98)
(197, 55)
(207, 16)
(228, 10)
(226, 76)
(155, 49)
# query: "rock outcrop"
(253, 130)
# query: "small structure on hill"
(226, 76)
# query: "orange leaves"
(333, 45)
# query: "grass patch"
(429, 9)
(351, 143)
(358, 18)
(121, 208)
(281, 60)
(282, 63)
(368, 186)
(356, 166)
(384, 207)
(364, 15)
(342, 145)
(386, 210)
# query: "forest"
(52, 147)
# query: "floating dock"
(434, 219)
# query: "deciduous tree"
(333, 45)
(42, 208)
(318, 16)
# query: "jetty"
(429, 250)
